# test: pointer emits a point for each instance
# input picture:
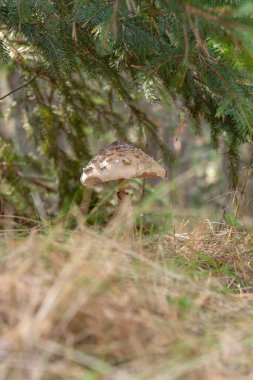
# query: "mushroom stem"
(121, 223)
(124, 193)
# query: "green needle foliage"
(84, 55)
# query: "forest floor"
(85, 305)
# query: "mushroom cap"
(120, 161)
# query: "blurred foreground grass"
(85, 305)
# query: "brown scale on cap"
(120, 161)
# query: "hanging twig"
(23, 85)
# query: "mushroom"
(119, 162)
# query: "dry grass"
(84, 306)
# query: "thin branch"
(35, 180)
(23, 85)
(187, 48)
(210, 16)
